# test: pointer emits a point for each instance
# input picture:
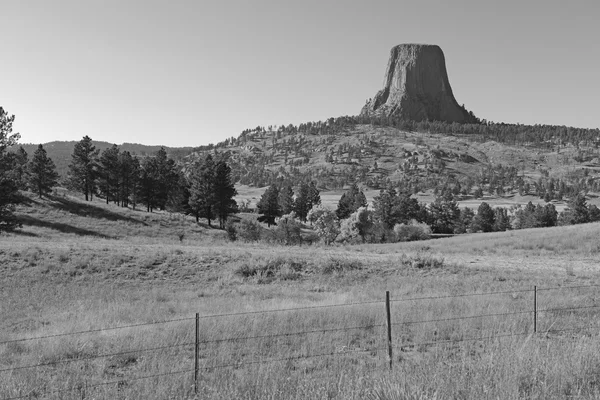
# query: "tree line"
(396, 216)
(203, 188)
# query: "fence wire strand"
(96, 330)
(461, 318)
(70, 360)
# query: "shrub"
(340, 264)
(325, 222)
(231, 230)
(249, 230)
(412, 231)
(357, 226)
(288, 229)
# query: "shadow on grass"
(59, 226)
(19, 232)
(89, 210)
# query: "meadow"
(81, 267)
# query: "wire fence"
(393, 331)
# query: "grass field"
(79, 266)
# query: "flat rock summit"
(416, 87)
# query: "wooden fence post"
(389, 327)
(196, 353)
(535, 309)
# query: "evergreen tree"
(314, 196)
(202, 189)
(83, 168)
(501, 220)
(444, 214)
(484, 220)
(167, 179)
(42, 172)
(147, 189)
(301, 202)
(268, 205)
(286, 199)
(109, 171)
(20, 168)
(8, 185)
(128, 177)
(224, 192)
(351, 201)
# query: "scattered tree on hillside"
(42, 175)
(8, 185)
(129, 172)
(83, 168)
(268, 205)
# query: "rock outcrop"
(416, 87)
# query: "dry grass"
(58, 277)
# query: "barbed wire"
(95, 330)
(567, 287)
(205, 368)
(188, 319)
(291, 309)
(301, 357)
(461, 318)
(292, 333)
(568, 308)
(471, 339)
(69, 360)
(460, 295)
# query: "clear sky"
(186, 73)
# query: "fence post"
(196, 353)
(389, 327)
(534, 309)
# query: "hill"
(60, 151)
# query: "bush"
(231, 230)
(412, 231)
(249, 230)
(288, 229)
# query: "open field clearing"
(79, 267)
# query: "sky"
(189, 73)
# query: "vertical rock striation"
(416, 87)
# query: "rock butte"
(416, 87)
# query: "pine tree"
(268, 206)
(224, 192)
(148, 183)
(42, 172)
(128, 175)
(286, 199)
(351, 201)
(83, 168)
(109, 173)
(301, 203)
(314, 196)
(21, 160)
(8, 185)
(167, 178)
(202, 189)
(484, 219)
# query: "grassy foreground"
(78, 267)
